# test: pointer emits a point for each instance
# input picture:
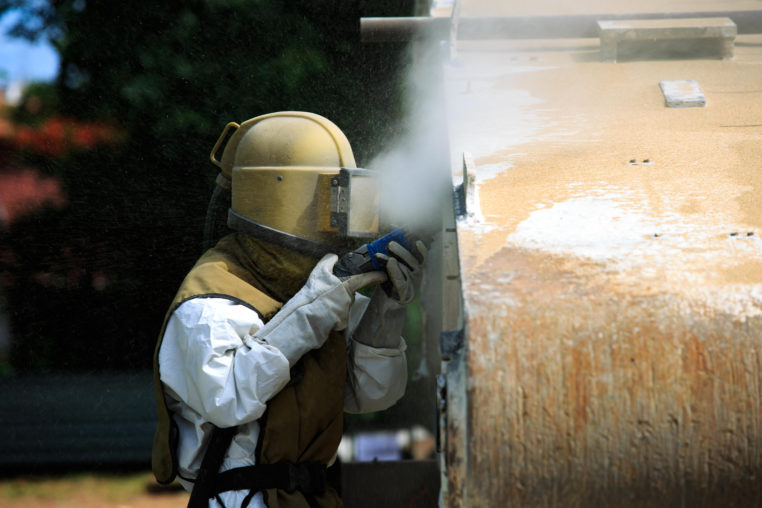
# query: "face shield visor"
(354, 203)
(307, 209)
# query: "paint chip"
(682, 94)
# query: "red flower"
(59, 136)
(25, 191)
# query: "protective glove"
(321, 306)
(405, 270)
(381, 325)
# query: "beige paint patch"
(698, 184)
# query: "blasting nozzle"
(364, 259)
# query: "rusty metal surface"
(612, 279)
(585, 394)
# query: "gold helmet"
(284, 171)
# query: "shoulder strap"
(203, 488)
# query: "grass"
(110, 487)
(91, 489)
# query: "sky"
(21, 61)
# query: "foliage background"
(86, 282)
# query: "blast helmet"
(293, 181)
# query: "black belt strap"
(306, 477)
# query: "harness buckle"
(307, 478)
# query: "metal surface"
(694, 37)
(529, 27)
(611, 280)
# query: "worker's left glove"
(381, 325)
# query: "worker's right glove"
(405, 270)
(381, 325)
(321, 306)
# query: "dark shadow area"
(399, 484)
(59, 423)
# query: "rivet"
(280, 178)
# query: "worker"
(263, 347)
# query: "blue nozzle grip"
(380, 246)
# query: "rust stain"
(579, 393)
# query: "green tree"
(171, 75)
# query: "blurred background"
(108, 112)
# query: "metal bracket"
(346, 204)
(451, 342)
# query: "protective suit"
(261, 352)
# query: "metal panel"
(528, 27)
(612, 280)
